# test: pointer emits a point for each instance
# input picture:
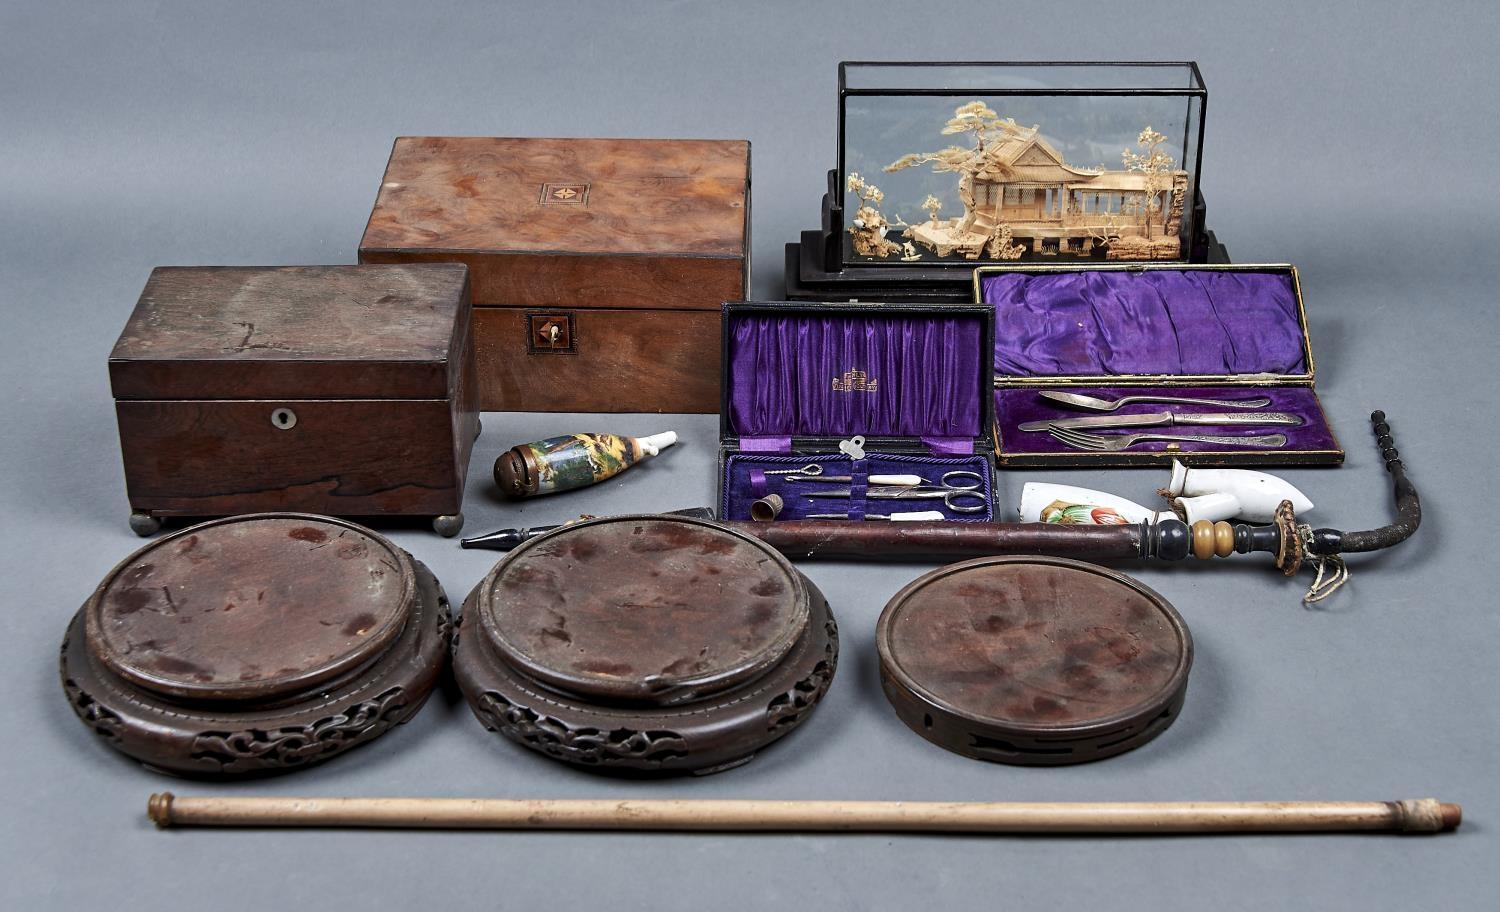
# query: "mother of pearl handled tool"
(1079, 400)
(915, 516)
(1159, 419)
(872, 479)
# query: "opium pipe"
(1164, 539)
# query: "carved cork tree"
(961, 234)
(1157, 167)
(869, 227)
(975, 117)
(933, 205)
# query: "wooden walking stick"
(1168, 817)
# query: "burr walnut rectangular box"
(599, 265)
(344, 390)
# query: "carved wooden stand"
(1037, 661)
(254, 645)
(645, 645)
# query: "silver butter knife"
(1162, 419)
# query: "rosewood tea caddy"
(645, 644)
(598, 264)
(255, 644)
(344, 390)
(1037, 661)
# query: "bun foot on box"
(144, 524)
(448, 526)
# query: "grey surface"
(1353, 140)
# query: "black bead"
(1173, 539)
(1326, 541)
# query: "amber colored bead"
(1223, 539)
(1203, 539)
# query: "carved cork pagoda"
(1020, 195)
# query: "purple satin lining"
(782, 370)
(1017, 405)
(952, 446)
(743, 470)
(765, 444)
(1156, 322)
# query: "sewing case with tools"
(1210, 364)
(856, 411)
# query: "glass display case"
(946, 166)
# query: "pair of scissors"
(957, 497)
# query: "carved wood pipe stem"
(1420, 816)
(947, 541)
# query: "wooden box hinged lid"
(650, 223)
(295, 332)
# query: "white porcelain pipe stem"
(1258, 494)
(657, 442)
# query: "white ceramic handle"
(896, 480)
(1212, 507)
(657, 442)
(918, 516)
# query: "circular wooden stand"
(255, 644)
(645, 644)
(1033, 660)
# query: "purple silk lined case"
(914, 380)
(1214, 331)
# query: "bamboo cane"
(1419, 816)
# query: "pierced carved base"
(700, 737)
(229, 740)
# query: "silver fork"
(1112, 442)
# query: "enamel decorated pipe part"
(572, 461)
(1071, 506)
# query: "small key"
(854, 447)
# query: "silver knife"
(1161, 419)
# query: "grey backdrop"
(1354, 140)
